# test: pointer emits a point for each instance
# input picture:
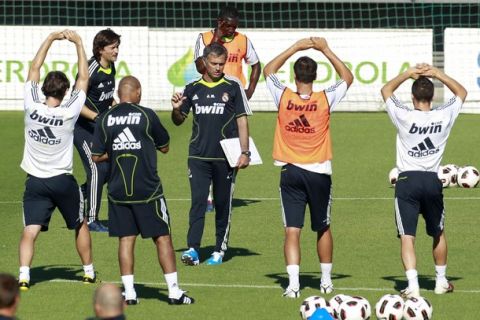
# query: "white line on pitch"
(246, 286)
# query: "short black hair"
(305, 69)
(9, 290)
(215, 48)
(102, 39)
(422, 89)
(55, 85)
(229, 12)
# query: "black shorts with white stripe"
(299, 188)
(419, 192)
(43, 195)
(148, 219)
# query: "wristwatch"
(247, 153)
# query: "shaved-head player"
(129, 136)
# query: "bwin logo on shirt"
(53, 121)
(126, 141)
(423, 149)
(432, 128)
(216, 108)
(105, 96)
(131, 118)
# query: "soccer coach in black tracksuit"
(220, 110)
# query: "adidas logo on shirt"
(423, 149)
(44, 136)
(195, 97)
(100, 85)
(300, 125)
(126, 141)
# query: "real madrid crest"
(225, 97)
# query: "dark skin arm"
(254, 76)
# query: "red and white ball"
(417, 309)
(389, 307)
(468, 177)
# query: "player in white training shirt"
(422, 134)
(48, 157)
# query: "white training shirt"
(334, 93)
(251, 56)
(48, 150)
(422, 135)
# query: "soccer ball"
(368, 309)
(310, 304)
(335, 302)
(352, 309)
(393, 176)
(467, 177)
(453, 169)
(389, 307)
(444, 175)
(417, 309)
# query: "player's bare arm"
(321, 45)
(413, 72)
(244, 159)
(34, 71)
(82, 80)
(274, 65)
(254, 76)
(451, 83)
(86, 112)
(97, 159)
(177, 116)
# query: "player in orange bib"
(302, 147)
(239, 49)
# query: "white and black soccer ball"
(336, 301)
(389, 307)
(444, 175)
(352, 309)
(310, 304)
(368, 308)
(468, 177)
(393, 176)
(417, 309)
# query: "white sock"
(172, 283)
(128, 286)
(293, 271)
(89, 270)
(412, 277)
(326, 269)
(24, 274)
(440, 272)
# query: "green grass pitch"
(249, 284)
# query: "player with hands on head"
(220, 110)
(302, 147)
(422, 134)
(48, 157)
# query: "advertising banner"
(163, 60)
(462, 62)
